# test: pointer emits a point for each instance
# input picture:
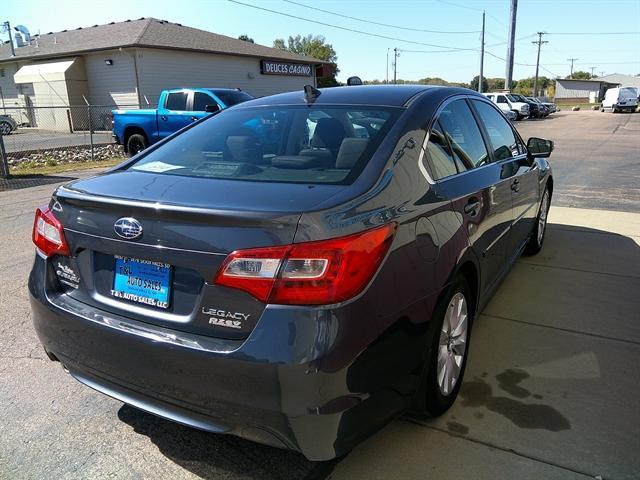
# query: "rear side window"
(463, 134)
(201, 100)
(503, 140)
(231, 98)
(301, 144)
(176, 101)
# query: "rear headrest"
(329, 133)
(350, 151)
(243, 148)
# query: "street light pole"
(387, 78)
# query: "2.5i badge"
(224, 318)
(66, 274)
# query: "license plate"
(142, 281)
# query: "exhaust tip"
(64, 367)
(51, 356)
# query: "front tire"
(537, 236)
(449, 349)
(136, 143)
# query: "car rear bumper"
(283, 386)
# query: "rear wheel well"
(469, 271)
(131, 131)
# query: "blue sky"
(363, 55)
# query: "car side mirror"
(539, 147)
(213, 108)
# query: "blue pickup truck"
(177, 108)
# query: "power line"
(353, 30)
(378, 23)
(593, 33)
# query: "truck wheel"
(136, 143)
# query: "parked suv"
(296, 270)
(508, 101)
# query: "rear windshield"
(628, 92)
(300, 144)
(231, 98)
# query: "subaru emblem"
(128, 228)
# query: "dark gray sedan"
(296, 270)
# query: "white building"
(128, 64)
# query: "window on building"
(2, 72)
(177, 101)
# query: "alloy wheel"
(452, 346)
(542, 218)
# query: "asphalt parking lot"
(27, 139)
(551, 389)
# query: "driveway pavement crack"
(568, 330)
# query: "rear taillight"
(310, 273)
(48, 233)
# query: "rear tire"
(449, 350)
(537, 236)
(136, 143)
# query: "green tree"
(315, 47)
(580, 75)
(246, 38)
(473, 85)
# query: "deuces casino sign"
(268, 67)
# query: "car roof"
(388, 95)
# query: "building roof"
(623, 80)
(144, 32)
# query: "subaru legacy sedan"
(297, 270)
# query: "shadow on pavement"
(26, 181)
(213, 456)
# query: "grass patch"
(583, 106)
(31, 169)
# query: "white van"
(507, 102)
(620, 99)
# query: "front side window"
(301, 144)
(177, 101)
(463, 134)
(201, 100)
(502, 99)
(503, 140)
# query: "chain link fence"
(36, 136)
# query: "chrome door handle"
(515, 186)
(163, 117)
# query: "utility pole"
(396, 54)
(508, 80)
(572, 60)
(7, 26)
(592, 70)
(535, 82)
(481, 56)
